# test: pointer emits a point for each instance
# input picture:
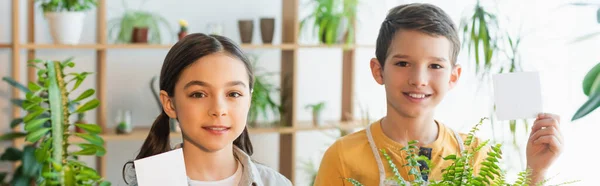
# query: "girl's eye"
(402, 64)
(197, 95)
(235, 94)
(436, 66)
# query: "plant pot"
(317, 119)
(181, 35)
(246, 28)
(65, 27)
(267, 28)
(139, 35)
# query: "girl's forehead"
(217, 68)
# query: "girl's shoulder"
(270, 177)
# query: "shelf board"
(142, 132)
(138, 46)
(5, 45)
(342, 46)
(62, 46)
(269, 46)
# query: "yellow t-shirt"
(352, 157)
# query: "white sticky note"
(162, 169)
(517, 95)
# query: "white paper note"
(517, 95)
(162, 169)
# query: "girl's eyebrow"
(205, 84)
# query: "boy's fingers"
(552, 141)
(549, 131)
(543, 123)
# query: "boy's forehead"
(413, 43)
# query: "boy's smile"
(417, 72)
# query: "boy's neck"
(403, 129)
(208, 166)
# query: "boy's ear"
(168, 104)
(455, 75)
(377, 70)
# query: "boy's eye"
(197, 95)
(436, 66)
(402, 64)
(235, 94)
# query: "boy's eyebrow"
(440, 59)
(205, 84)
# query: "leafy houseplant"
(262, 101)
(65, 18)
(333, 20)
(136, 26)
(316, 112)
(47, 129)
(460, 172)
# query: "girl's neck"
(403, 129)
(202, 165)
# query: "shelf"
(61, 46)
(142, 132)
(5, 45)
(343, 46)
(269, 46)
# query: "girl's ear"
(168, 104)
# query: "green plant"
(461, 171)
(591, 87)
(67, 5)
(318, 107)
(328, 19)
(121, 28)
(46, 128)
(262, 102)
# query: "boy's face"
(417, 72)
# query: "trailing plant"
(47, 124)
(460, 171)
(121, 28)
(331, 17)
(67, 5)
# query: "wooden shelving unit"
(289, 78)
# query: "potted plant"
(46, 157)
(316, 112)
(65, 18)
(183, 28)
(332, 20)
(137, 26)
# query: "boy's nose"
(418, 79)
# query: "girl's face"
(211, 101)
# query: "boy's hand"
(545, 144)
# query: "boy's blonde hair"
(425, 18)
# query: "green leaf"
(68, 62)
(90, 128)
(12, 135)
(16, 84)
(30, 164)
(591, 81)
(41, 154)
(88, 106)
(86, 151)
(35, 124)
(16, 122)
(84, 95)
(598, 15)
(34, 87)
(100, 150)
(105, 183)
(590, 105)
(94, 139)
(36, 135)
(11, 154)
(32, 115)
